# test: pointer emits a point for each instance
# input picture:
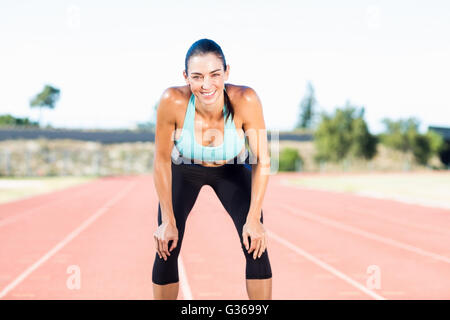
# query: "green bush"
(404, 135)
(437, 142)
(7, 120)
(289, 160)
(344, 134)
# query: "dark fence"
(111, 136)
(106, 137)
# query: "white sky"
(113, 59)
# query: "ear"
(227, 73)
(185, 77)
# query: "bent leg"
(185, 189)
(233, 189)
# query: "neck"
(213, 111)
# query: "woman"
(189, 156)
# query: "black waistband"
(236, 160)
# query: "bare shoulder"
(244, 99)
(175, 95)
(172, 100)
(241, 95)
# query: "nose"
(206, 83)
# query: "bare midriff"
(218, 163)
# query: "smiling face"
(206, 77)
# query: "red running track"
(322, 245)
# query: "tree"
(437, 142)
(10, 121)
(344, 134)
(404, 135)
(364, 144)
(307, 108)
(47, 98)
(399, 134)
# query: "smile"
(208, 94)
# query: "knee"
(165, 271)
(258, 268)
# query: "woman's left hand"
(255, 230)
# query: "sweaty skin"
(248, 118)
(204, 125)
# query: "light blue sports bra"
(190, 148)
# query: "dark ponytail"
(205, 46)
(229, 107)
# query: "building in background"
(445, 133)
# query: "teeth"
(208, 94)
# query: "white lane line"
(369, 235)
(373, 213)
(67, 239)
(324, 265)
(404, 222)
(376, 214)
(19, 216)
(184, 284)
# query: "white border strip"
(66, 240)
(325, 266)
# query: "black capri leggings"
(232, 184)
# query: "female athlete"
(202, 133)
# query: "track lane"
(115, 254)
(405, 274)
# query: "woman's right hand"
(166, 231)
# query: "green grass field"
(18, 188)
(422, 188)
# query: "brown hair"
(205, 46)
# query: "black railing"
(111, 136)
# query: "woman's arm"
(162, 170)
(255, 130)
